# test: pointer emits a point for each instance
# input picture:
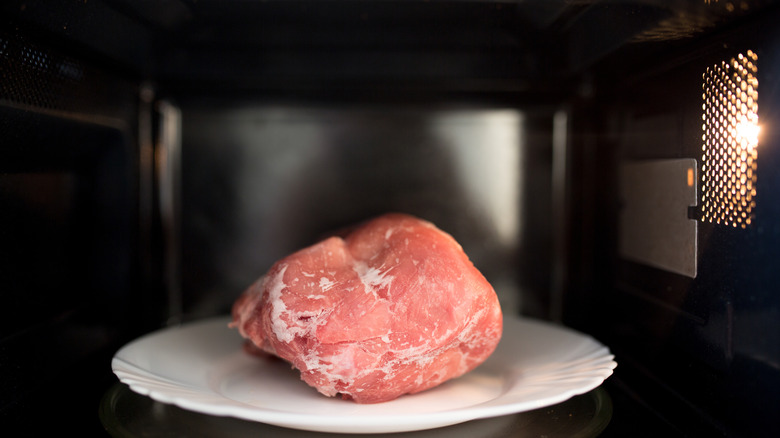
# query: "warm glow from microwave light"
(746, 133)
(730, 141)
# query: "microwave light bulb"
(730, 141)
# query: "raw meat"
(393, 308)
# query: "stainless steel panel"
(654, 225)
(262, 181)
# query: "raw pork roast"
(393, 308)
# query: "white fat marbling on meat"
(326, 284)
(316, 297)
(343, 363)
(339, 367)
(281, 329)
(373, 279)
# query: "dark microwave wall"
(529, 50)
(703, 347)
(73, 287)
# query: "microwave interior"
(612, 166)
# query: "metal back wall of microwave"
(260, 182)
(701, 352)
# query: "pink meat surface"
(395, 307)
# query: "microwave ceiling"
(531, 47)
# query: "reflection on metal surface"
(730, 141)
(263, 181)
(168, 167)
(485, 150)
(560, 166)
(126, 414)
(654, 225)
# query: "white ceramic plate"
(201, 367)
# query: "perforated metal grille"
(730, 141)
(677, 27)
(43, 78)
